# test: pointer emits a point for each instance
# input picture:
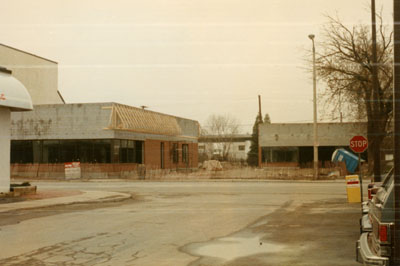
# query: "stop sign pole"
(359, 144)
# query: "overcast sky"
(189, 58)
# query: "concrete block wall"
(69, 121)
(297, 135)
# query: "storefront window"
(85, 151)
(280, 154)
(22, 151)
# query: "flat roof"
(115, 103)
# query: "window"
(68, 151)
(241, 147)
(102, 151)
(185, 153)
(21, 151)
(280, 154)
(127, 151)
(175, 153)
(51, 151)
(138, 151)
(85, 151)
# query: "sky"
(188, 58)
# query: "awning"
(13, 93)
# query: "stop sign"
(358, 144)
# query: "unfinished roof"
(134, 119)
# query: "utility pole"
(375, 95)
(396, 110)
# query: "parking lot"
(189, 223)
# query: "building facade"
(108, 139)
(39, 75)
(292, 144)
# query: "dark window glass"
(85, 151)
(51, 152)
(185, 153)
(21, 151)
(102, 151)
(280, 154)
(37, 151)
(116, 151)
(68, 151)
(139, 151)
(127, 151)
(175, 153)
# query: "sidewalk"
(83, 197)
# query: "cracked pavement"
(167, 222)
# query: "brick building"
(108, 139)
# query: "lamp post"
(312, 36)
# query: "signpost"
(359, 144)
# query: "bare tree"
(222, 129)
(345, 64)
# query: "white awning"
(13, 94)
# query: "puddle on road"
(230, 248)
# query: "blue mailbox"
(351, 160)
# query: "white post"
(5, 138)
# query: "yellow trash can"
(353, 188)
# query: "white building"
(39, 75)
(234, 148)
(25, 79)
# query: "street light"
(312, 36)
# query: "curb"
(86, 197)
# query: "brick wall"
(152, 155)
(88, 170)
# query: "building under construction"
(108, 139)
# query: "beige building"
(292, 144)
(39, 75)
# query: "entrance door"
(162, 155)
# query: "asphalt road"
(188, 223)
